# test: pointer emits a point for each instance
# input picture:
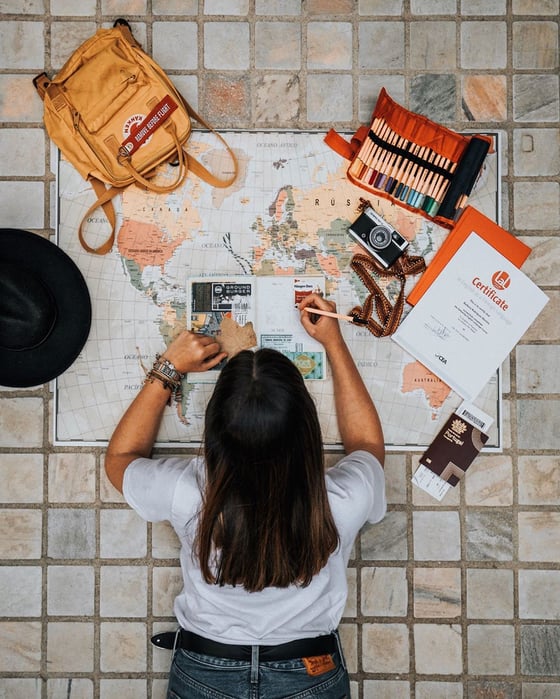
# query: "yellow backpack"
(115, 115)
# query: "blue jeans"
(195, 676)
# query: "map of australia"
(286, 214)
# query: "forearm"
(136, 432)
(358, 420)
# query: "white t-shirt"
(170, 489)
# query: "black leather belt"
(302, 648)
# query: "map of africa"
(286, 214)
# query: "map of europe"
(286, 214)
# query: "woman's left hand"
(191, 351)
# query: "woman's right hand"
(321, 328)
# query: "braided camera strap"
(389, 315)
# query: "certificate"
(471, 317)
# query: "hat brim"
(38, 365)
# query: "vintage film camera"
(378, 237)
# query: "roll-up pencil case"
(413, 161)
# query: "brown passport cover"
(454, 449)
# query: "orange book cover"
(471, 221)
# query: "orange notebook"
(471, 221)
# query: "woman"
(265, 532)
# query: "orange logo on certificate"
(501, 280)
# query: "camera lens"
(379, 237)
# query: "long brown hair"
(265, 518)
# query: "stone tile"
(123, 689)
(484, 45)
(70, 646)
(490, 481)
(319, 7)
(23, 152)
(535, 7)
(22, 45)
(396, 478)
(537, 368)
(71, 534)
(165, 542)
(369, 87)
(226, 45)
(537, 205)
(438, 649)
(536, 152)
(19, 100)
(437, 536)
(480, 7)
(70, 590)
(20, 688)
(539, 592)
(72, 477)
(539, 690)
(434, 96)
(535, 98)
(278, 7)
(123, 7)
(277, 98)
(384, 591)
(329, 45)
(123, 591)
(277, 45)
(21, 476)
(175, 7)
(329, 100)
(28, 217)
(31, 7)
(123, 646)
(439, 690)
(167, 584)
(427, 54)
(67, 7)
(381, 45)
(489, 536)
(386, 541)
(491, 649)
(226, 7)
(123, 534)
(188, 87)
(540, 650)
(539, 536)
(537, 424)
(491, 689)
(349, 641)
(433, 7)
(386, 689)
(20, 646)
(484, 97)
(546, 327)
(21, 421)
(66, 37)
(489, 593)
(437, 593)
(168, 38)
(385, 648)
(21, 591)
(351, 607)
(543, 264)
(226, 101)
(539, 480)
(20, 534)
(535, 45)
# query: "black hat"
(45, 309)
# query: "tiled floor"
(459, 599)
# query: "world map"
(286, 214)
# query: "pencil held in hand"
(340, 316)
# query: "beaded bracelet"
(165, 372)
